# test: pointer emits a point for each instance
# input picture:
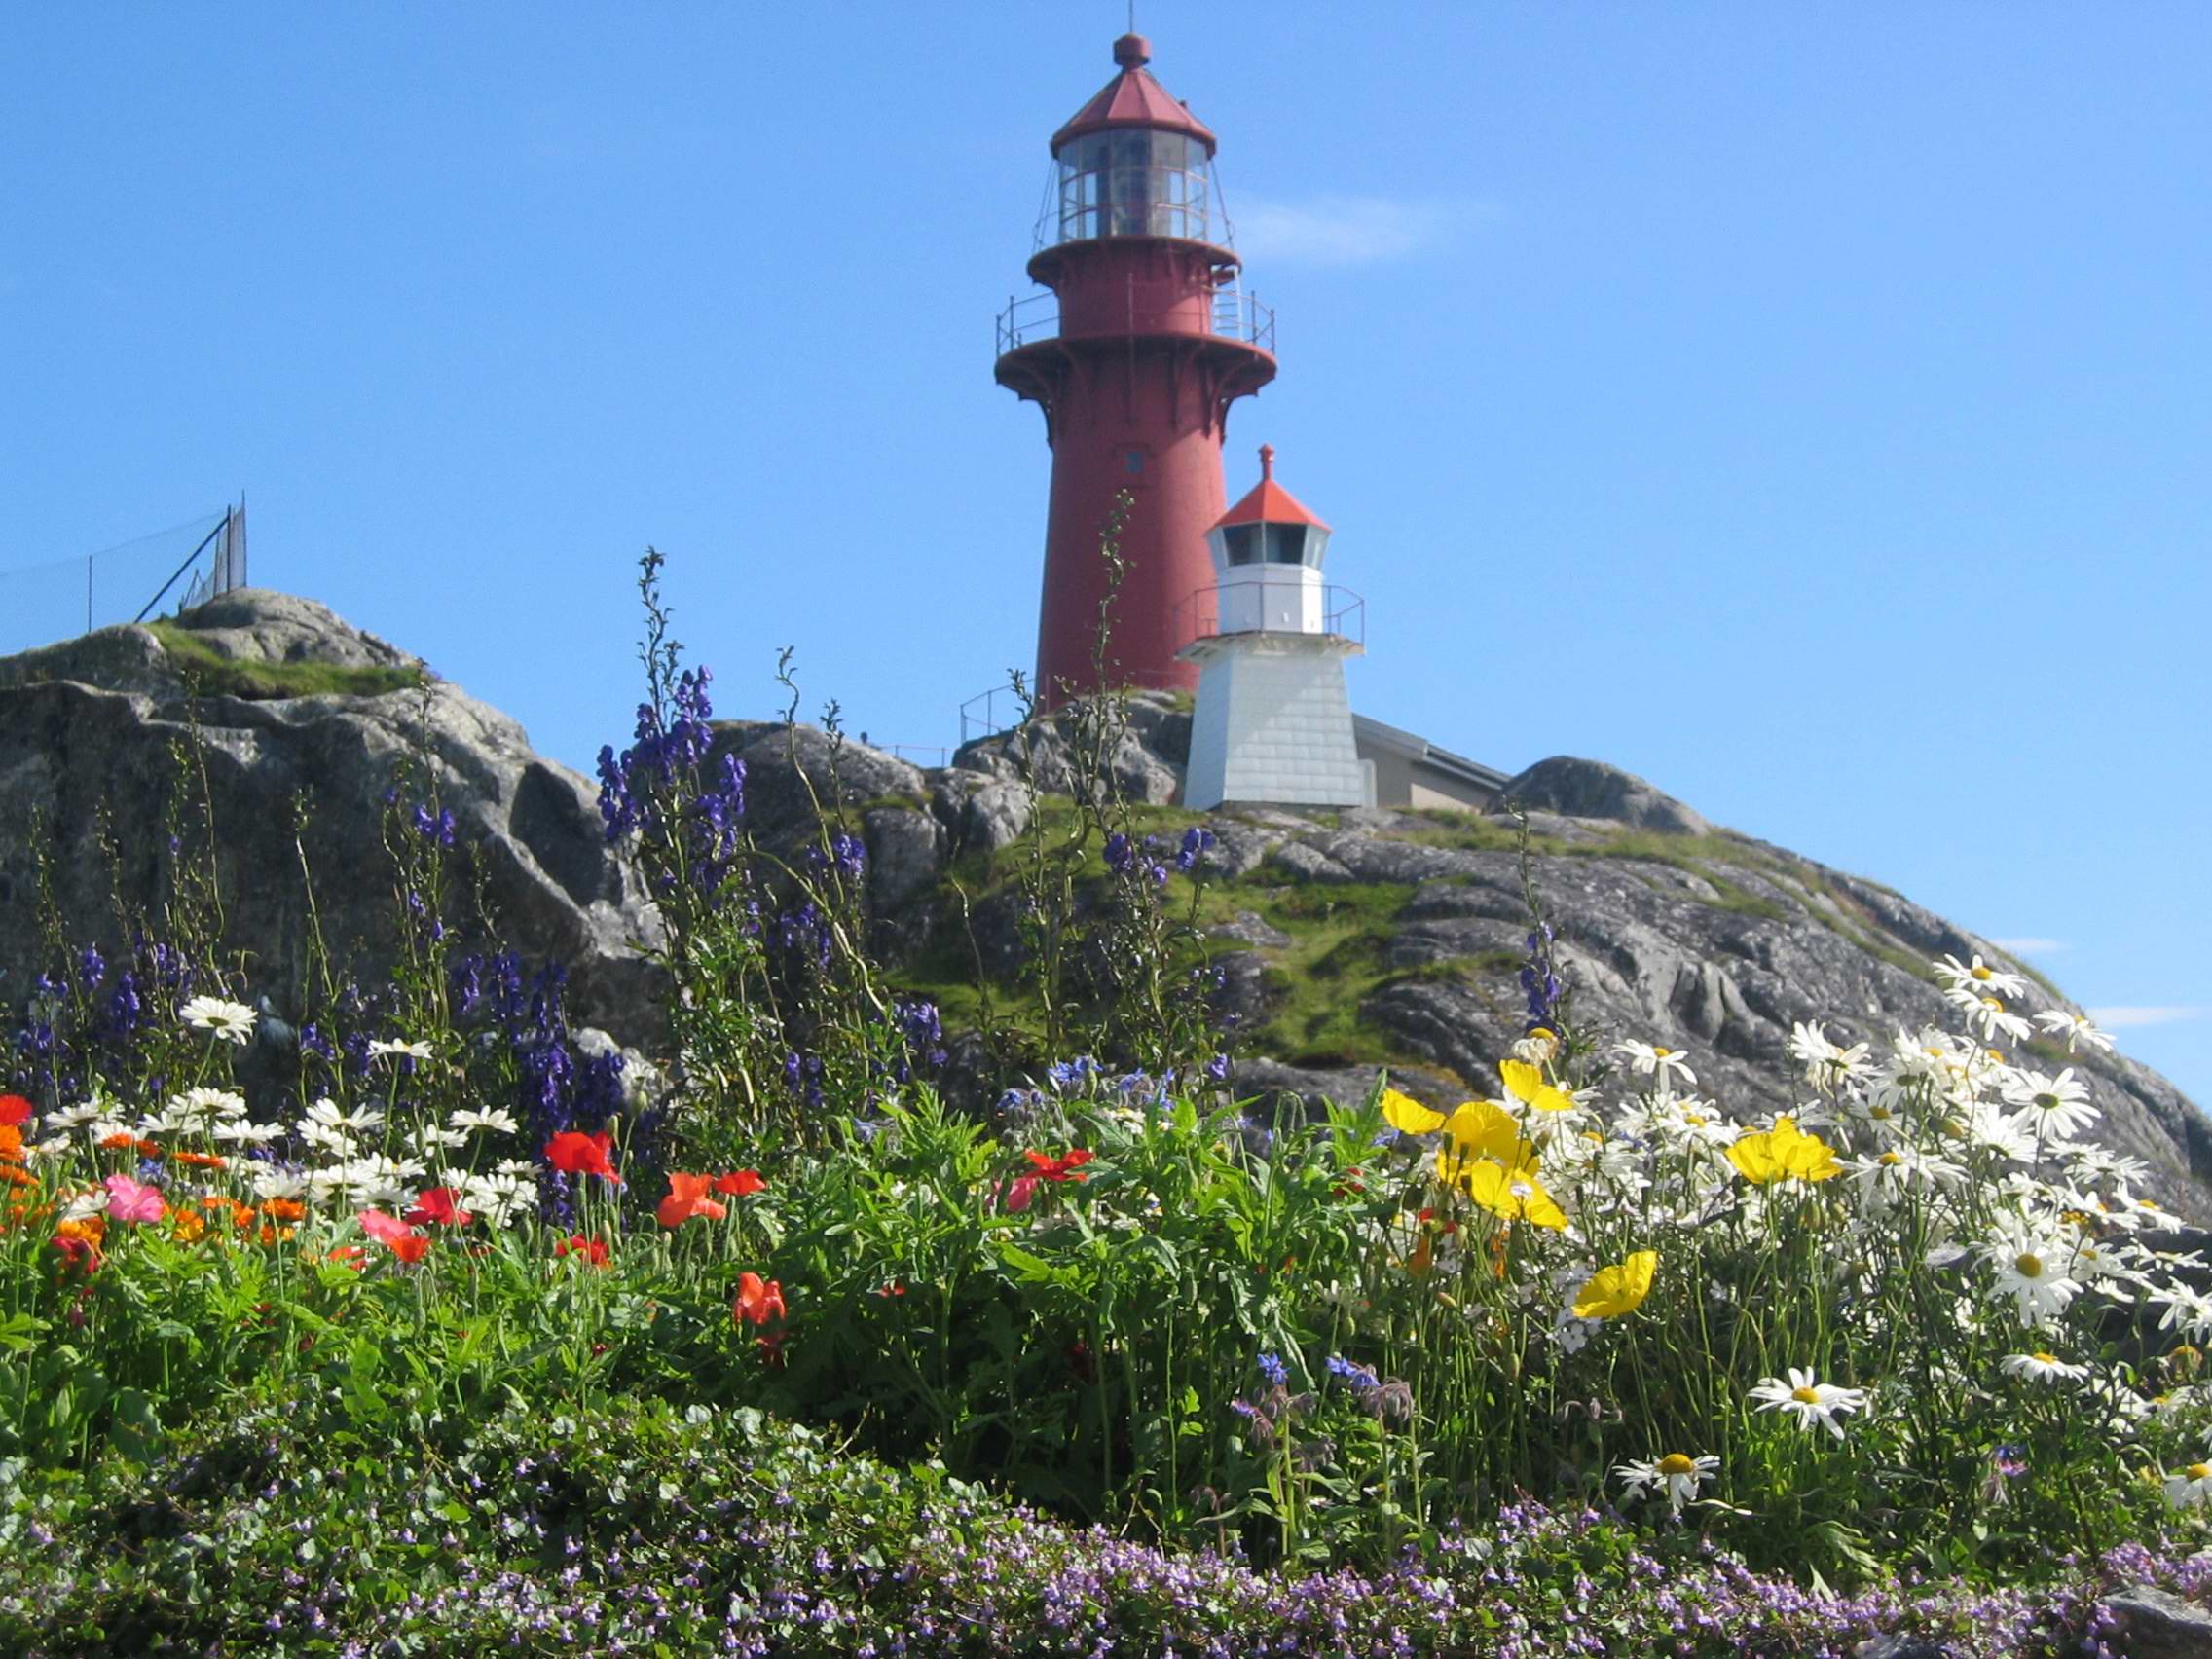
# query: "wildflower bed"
(425, 1328)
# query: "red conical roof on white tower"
(1268, 502)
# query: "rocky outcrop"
(1668, 929)
(87, 728)
(1572, 787)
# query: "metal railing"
(1343, 612)
(1233, 315)
(988, 714)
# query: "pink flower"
(1018, 1192)
(388, 1230)
(134, 1200)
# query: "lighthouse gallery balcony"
(1233, 315)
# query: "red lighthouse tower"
(1136, 357)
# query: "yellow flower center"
(2047, 1102)
(2029, 1265)
(2147, 1203)
(1543, 1034)
(1675, 1464)
(1880, 1113)
(1995, 1002)
(2199, 1471)
(1980, 971)
(1661, 1054)
(1805, 1396)
(2044, 1359)
(1892, 1159)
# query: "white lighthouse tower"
(1273, 721)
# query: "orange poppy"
(757, 1301)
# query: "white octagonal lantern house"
(1273, 721)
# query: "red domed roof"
(1134, 98)
(1268, 502)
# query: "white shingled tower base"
(1272, 722)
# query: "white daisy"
(240, 1134)
(88, 1202)
(1826, 1063)
(232, 1022)
(69, 1117)
(1668, 1065)
(1987, 1015)
(2187, 1308)
(1980, 977)
(270, 1182)
(2058, 1108)
(335, 1141)
(497, 1119)
(1808, 1401)
(2074, 1028)
(2042, 1368)
(429, 1136)
(1677, 1473)
(379, 1047)
(359, 1120)
(2031, 1270)
(203, 1102)
(500, 1197)
(2190, 1487)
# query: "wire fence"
(45, 604)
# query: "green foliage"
(216, 674)
(1345, 1337)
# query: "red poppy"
(351, 1255)
(758, 1302)
(79, 1253)
(412, 1247)
(1064, 1167)
(574, 1154)
(14, 1108)
(592, 1250)
(740, 1183)
(439, 1207)
(687, 1197)
(891, 1287)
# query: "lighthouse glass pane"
(1286, 544)
(1243, 543)
(1133, 183)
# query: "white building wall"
(1273, 723)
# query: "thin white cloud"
(2030, 946)
(1349, 230)
(2115, 1018)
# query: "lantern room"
(1133, 161)
(1267, 559)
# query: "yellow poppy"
(1619, 1289)
(1784, 1153)
(1408, 1116)
(1526, 1084)
(1514, 1193)
(1483, 1129)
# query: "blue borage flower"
(1358, 1378)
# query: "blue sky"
(1805, 407)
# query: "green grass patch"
(216, 674)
